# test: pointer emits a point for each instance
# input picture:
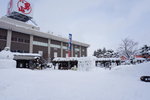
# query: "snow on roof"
(26, 54)
(84, 58)
(87, 58)
(65, 59)
(106, 59)
(139, 59)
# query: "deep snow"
(120, 83)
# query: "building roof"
(18, 26)
(92, 58)
(25, 56)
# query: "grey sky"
(100, 23)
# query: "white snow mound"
(6, 59)
(6, 55)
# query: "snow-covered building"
(108, 62)
(25, 38)
(81, 63)
(85, 63)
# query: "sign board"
(24, 7)
(69, 45)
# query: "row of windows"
(20, 51)
(15, 39)
(3, 37)
(53, 45)
(46, 45)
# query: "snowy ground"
(120, 83)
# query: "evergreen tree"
(145, 51)
(104, 53)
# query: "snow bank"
(121, 83)
(6, 59)
(7, 63)
(138, 70)
(4, 54)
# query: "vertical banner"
(69, 45)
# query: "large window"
(2, 37)
(55, 54)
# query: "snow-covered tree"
(104, 53)
(145, 49)
(127, 48)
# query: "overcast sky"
(100, 23)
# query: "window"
(67, 55)
(26, 41)
(55, 54)
(83, 50)
(14, 39)
(2, 37)
(20, 40)
(40, 52)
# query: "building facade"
(25, 38)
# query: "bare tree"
(128, 48)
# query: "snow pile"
(6, 54)
(6, 59)
(138, 70)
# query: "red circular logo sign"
(24, 7)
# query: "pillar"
(61, 49)
(31, 44)
(71, 50)
(9, 35)
(49, 50)
(80, 51)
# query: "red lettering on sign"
(24, 7)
